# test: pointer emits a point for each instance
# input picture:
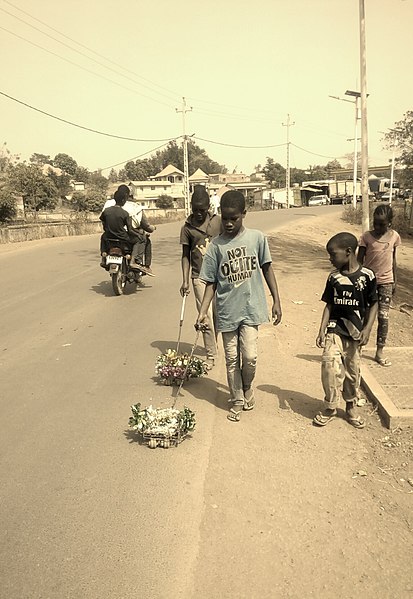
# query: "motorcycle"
(118, 265)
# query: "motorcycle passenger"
(142, 248)
(116, 225)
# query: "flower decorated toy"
(174, 368)
(162, 427)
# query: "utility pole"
(288, 124)
(356, 96)
(364, 138)
(184, 110)
(392, 167)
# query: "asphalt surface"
(85, 511)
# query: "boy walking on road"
(199, 229)
(232, 270)
(350, 296)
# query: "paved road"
(85, 512)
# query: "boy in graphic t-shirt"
(232, 269)
(350, 296)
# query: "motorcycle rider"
(116, 224)
(139, 226)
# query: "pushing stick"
(181, 321)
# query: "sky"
(122, 68)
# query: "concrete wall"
(84, 225)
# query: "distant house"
(224, 178)
(77, 185)
(147, 192)
(198, 178)
(170, 173)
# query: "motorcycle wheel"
(118, 281)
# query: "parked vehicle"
(386, 196)
(118, 266)
(320, 200)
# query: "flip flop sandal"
(249, 403)
(321, 419)
(383, 362)
(357, 422)
(234, 415)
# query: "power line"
(219, 143)
(82, 53)
(136, 157)
(84, 68)
(57, 118)
(314, 153)
(174, 94)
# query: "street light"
(356, 96)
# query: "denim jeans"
(340, 369)
(240, 347)
(210, 342)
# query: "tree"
(7, 161)
(98, 182)
(40, 159)
(66, 163)
(274, 173)
(164, 201)
(142, 169)
(38, 190)
(62, 183)
(350, 160)
(113, 176)
(8, 209)
(81, 174)
(402, 134)
(91, 201)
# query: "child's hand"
(200, 324)
(184, 290)
(364, 337)
(276, 314)
(320, 341)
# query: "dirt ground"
(388, 467)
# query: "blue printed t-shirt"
(350, 296)
(234, 265)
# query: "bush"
(353, 215)
(8, 210)
(164, 201)
(401, 218)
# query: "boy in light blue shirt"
(232, 269)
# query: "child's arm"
(269, 277)
(371, 317)
(185, 264)
(206, 300)
(361, 254)
(324, 322)
(394, 271)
